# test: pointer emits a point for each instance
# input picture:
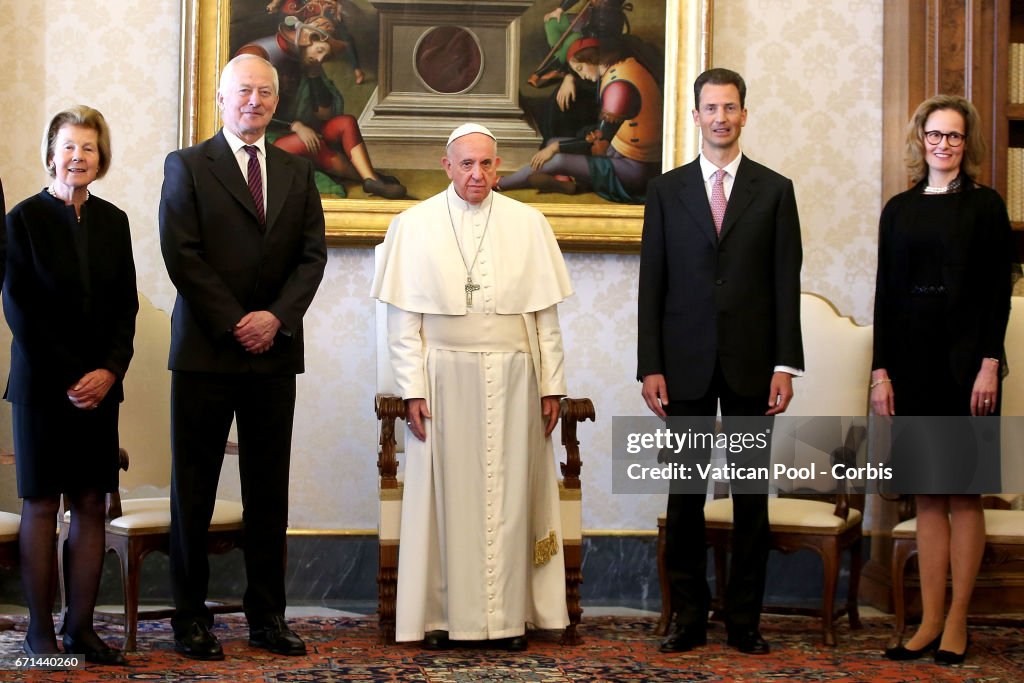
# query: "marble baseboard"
(342, 570)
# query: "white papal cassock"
(481, 534)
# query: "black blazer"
(976, 272)
(733, 299)
(224, 266)
(64, 325)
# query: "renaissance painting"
(580, 94)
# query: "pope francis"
(472, 280)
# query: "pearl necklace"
(53, 193)
(952, 187)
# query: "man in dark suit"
(242, 235)
(719, 324)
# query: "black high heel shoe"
(950, 657)
(27, 647)
(903, 654)
(106, 655)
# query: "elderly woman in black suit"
(942, 301)
(70, 301)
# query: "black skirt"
(932, 455)
(59, 448)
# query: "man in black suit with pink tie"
(719, 325)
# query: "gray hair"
(229, 69)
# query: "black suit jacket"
(225, 266)
(733, 299)
(65, 325)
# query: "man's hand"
(307, 135)
(655, 394)
(550, 407)
(780, 394)
(92, 388)
(256, 331)
(416, 412)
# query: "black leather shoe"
(749, 642)
(276, 637)
(903, 654)
(516, 643)
(950, 657)
(682, 639)
(436, 640)
(198, 643)
(102, 655)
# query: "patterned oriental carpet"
(613, 649)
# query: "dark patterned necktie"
(256, 183)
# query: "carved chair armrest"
(846, 455)
(388, 409)
(572, 411)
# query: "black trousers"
(202, 408)
(685, 547)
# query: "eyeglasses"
(954, 139)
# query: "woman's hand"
(986, 388)
(88, 392)
(883, 398)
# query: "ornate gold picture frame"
(604, 226)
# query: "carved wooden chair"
(135, 528)
(838, 359)
(389, 409)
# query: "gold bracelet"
(877, 382)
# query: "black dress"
(942, 302)
(70, 301)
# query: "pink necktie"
(256, 183)
(718, 200)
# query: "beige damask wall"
(814, 68)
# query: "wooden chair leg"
(852, 607)
(721, 578)
(130, 590)
(573, 578)
(901, 553)
(666, 598)
(830, 574)
(387, 589)
(62, 558)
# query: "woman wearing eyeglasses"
(942, 300)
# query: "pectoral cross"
(470, 288)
